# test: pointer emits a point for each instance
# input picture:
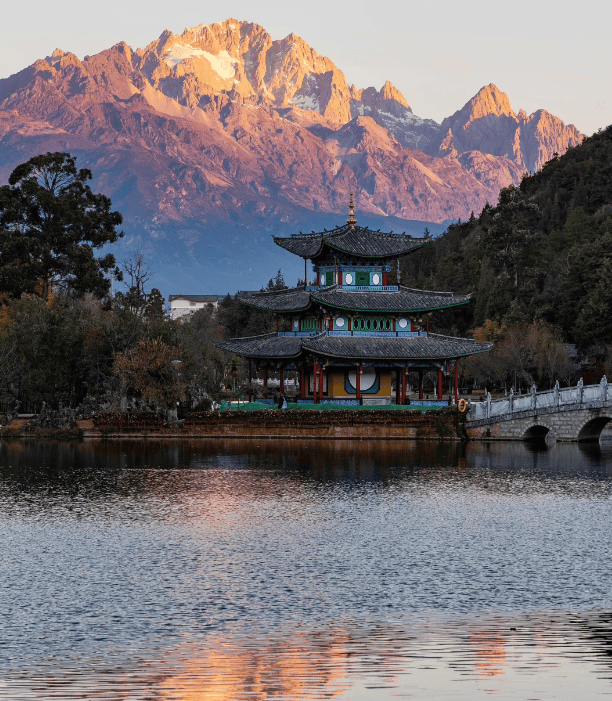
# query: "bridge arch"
(590, 430)
(538, 431)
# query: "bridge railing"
(513, 404)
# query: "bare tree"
(137, 272)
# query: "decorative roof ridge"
(251, 338)
(460, 338)
(345, 229)
(433, 293)
(338, 231)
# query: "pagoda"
(351, 329)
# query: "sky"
(554, 56)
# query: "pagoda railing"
(300, 333)
(356, 288)
(369, 288)
(377, 334)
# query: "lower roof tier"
(404, 301)
(430, 347)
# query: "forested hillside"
(543, 254)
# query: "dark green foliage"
(543, 253)
(50, 224)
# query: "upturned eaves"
(410, 348)
(295, 300)
(431, 347)
(403, 301)
(265, 346)
(359, 241)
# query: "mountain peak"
(390, 92)
(224, 125)
(489, 100)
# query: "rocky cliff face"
(221, 131)
(488, 124)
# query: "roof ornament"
(351, 221)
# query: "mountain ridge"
(222, 126)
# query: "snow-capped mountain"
(207, 140)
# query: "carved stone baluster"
(511, 401)
(533, 396)
(556, 390)
(580, 390)
(488, 405)
(604, 389)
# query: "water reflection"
(32, 462)
(546, 655)
(304, 570)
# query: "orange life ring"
(462, 406)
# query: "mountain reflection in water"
(230, 570)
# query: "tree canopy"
(50, 225)
(542, 254)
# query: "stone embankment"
(441, 424)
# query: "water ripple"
(237, 570)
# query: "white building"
(186, 304)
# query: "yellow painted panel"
(385, 384)
(336, 384)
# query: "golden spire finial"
(351, 221)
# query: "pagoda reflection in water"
(352, 330)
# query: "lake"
(353, 570)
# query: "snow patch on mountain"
(223, 64)
(407, 118)
(306, 102)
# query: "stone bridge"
(578, 413)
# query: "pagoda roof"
(404, 300)
(357, 241)
(292, 300)
(432, 347)
(266, 346)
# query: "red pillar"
(265, 381)
(321, 382)
(412, 324)
(385, 279)
(420, 384)
(358, 383)
(404, 386)
(250, 382)
(398, 388)
(302, 388)
(315, 398)
(440, 379)
(456, 382)
(281, 381)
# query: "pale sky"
(547, 55)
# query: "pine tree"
(50, 224)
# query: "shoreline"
(438, 425)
